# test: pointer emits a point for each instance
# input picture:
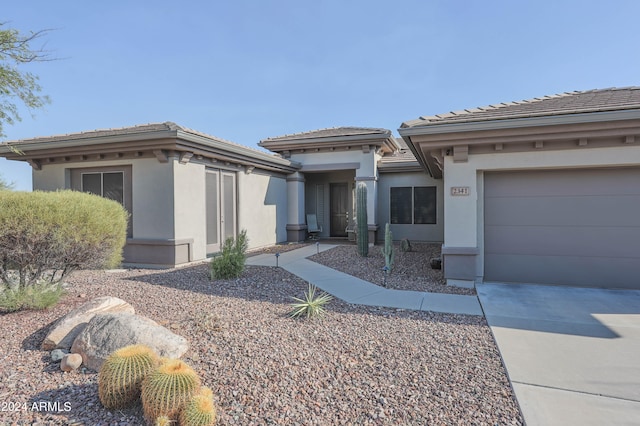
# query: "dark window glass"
(424, 205)
(400, 205)
(113, 186)
(92, 182)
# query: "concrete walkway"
(360, 292)
(571, 353)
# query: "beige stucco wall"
(464, 222)
(262, 208)
(189, 205)
(426, 232)
(151, 186)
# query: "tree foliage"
(17, 85)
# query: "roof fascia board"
(237, 150)
(372, 139)
(35, 145)
(510, 123)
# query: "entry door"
(221, 208)
(339, 207)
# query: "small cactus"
(405, 245)
(200, 410)
(122, 373)
(167, 389)
(387, 250)
(362, 234)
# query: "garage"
(574, 227)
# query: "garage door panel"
(601, 272)
(563, 211)
(559, 183)
(561, 241)
(565, 227)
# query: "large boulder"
(109, 332)
(67, 328)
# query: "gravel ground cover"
(353, 366)
(411, 270)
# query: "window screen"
(401, 204)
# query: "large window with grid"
(413, 205)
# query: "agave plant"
(311, 305)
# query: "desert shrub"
(41, 295)
(46, 235)
(229, 263)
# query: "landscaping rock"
(67, 328)
(57, 355)
(106, 333)
(70, 362)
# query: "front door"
(339, 207)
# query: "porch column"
(296, 221)
(372, 201)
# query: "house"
(542, 191)
(186, 191)
(539, 191)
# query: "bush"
(230, 262)
(38, 296)
(44, 236)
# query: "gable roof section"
(165, 136)
(577, 102)
(334, 137)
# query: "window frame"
(413, 205)
(102, 173)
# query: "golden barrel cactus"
(200, 410)
(120, 378)
(167, 389)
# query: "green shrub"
(41, 295)
(230, 262)
(311, 305)
(47, 235)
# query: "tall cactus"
(362, 234)
(387, 251)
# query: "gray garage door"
(563, 227)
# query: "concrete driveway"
(572, 354)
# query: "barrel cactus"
(121, 375)
(162, 421)
(200, 410)
(387, 250)
(167, 389)
(362, 234)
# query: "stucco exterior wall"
(153, 199)
(426, 232)
(463, 228)
(189, 205)
(262, 208)
(151, 186)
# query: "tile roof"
(331, 132)
(576, 102)
(122, 131)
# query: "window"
(106, 184)
(413, 205)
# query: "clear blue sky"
(247, 70)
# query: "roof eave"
(510, 123)
(384, 140)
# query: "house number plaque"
(459, 190)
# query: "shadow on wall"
(277, 196)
